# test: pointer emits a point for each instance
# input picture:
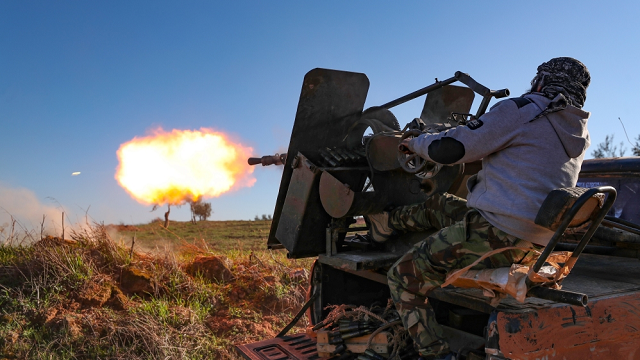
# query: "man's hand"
(403, 147)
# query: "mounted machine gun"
(342, 163)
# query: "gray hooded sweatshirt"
(522, 159)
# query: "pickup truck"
(334, 173)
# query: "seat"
(560, 201)
(562, 209)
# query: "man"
(528, 146)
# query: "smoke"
(21, 214)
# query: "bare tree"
(606, 149)
(166, 215)
(192, 207)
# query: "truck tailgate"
(291, 347)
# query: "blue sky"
(77, 79)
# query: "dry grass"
(76, 299)
(219, 236)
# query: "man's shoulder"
(521, 101)
(511, 106)
(525, 105)
(516, 110)
(528, 99)
(538, 99)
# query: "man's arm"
(479, 138)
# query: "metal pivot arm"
(480, 89)
(435, 86)
(483, 91)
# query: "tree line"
(608, 149)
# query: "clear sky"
(79, 78)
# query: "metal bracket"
(332, 238)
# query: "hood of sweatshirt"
(569, 124)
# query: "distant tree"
(204, 211)
(256, 218)
(636, 147)
(606, 149)
(200, 210)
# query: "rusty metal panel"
(292, 347)
(608, 328)
(621, 173)
(440, 103)
(336, 197)
(627, 205)
(295, 220)
(339, 200)
(383, 152)
(330, 102)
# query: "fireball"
(182, 165)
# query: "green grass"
(221, 236)
(52, 304)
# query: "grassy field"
(189, 292)
(219, 236)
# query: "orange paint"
(609, 328)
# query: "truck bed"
(608, 327)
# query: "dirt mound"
(97, 294)
(222, 324)
(94, 294)
(212, 268)
(71, 324)
(136, 281)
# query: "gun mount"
(342, 163)
(341, 160)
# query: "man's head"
(564, 75)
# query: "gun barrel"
(277, 159)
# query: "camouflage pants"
(464, 236)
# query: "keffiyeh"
(566, 76)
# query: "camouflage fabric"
(566, 76)
(439, 211)
(464, 236)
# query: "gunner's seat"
(562, 209)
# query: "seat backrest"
(558, 203)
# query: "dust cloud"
(21, 212)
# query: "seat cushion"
(559, 201)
